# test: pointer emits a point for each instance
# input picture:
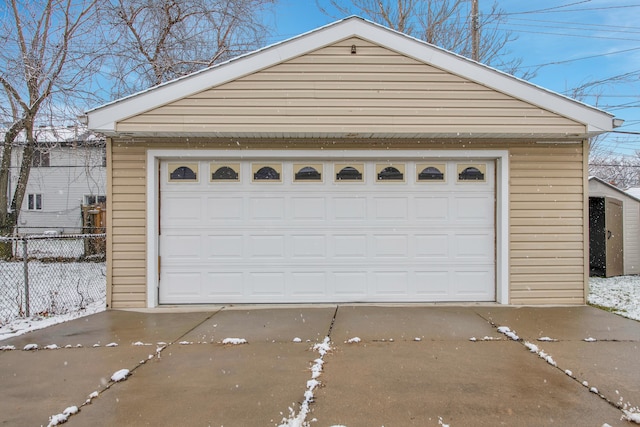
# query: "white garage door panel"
(327, 242)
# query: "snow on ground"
(621, 294)
(21, 326)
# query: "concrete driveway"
(385, 366)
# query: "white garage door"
(326, 231)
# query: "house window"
(183, 172)
(262, 172)
(471, 172)
(34, 202)
(431, 173)
(225, 172)
(94, 200)
(307, 172)
(390, 172)
(349, 173)
(40, 158)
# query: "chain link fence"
(47, 275)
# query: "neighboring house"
(68, 171)
(614, 230)
(351, 163)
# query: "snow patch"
(547, 339)
(120, 375)
(634, 417)
(234, 341)
(590, 339)
(62, 418)
(569, 373)
(621, 294)
(299, 420)
(112, 344)
(7, 348)
(353, 340)
(185, 343)
(532, 347)
(296, 339)
(30, 347)
(51, 347)
(509, 333)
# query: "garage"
(348, 164)
(318, 230)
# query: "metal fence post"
(25, 257)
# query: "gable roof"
(104, 119)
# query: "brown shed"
(349, 164)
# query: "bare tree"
(621, 171)
(164, 39)
(43, 62)
(444, 23)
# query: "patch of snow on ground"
(120, 375)
(590, 339)
(299, 420)
(234, 341)
(62, 418)
(296, 339)
(621, 294)
(508, 332)
(33, 323)
(354, 340)
(30, 347)
(547, 339)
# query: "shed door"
(326, 231)
(614, 238)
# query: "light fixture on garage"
(353, 49)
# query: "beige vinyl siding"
(547, 229)
(128, 225)
(332, 91)
(547, 224)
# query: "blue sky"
(575, 41)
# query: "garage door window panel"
(431, 172)
(474, 173)
(267, 173)
(350, 172)
(307, 172)
(225, 172)
(180, 172)
(390, 173)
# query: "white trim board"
(502, 195)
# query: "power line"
(566, 61)
(587, 9)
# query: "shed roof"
(613, 187)
(105, 118)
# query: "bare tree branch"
(165, 39)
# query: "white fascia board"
(104, 118)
